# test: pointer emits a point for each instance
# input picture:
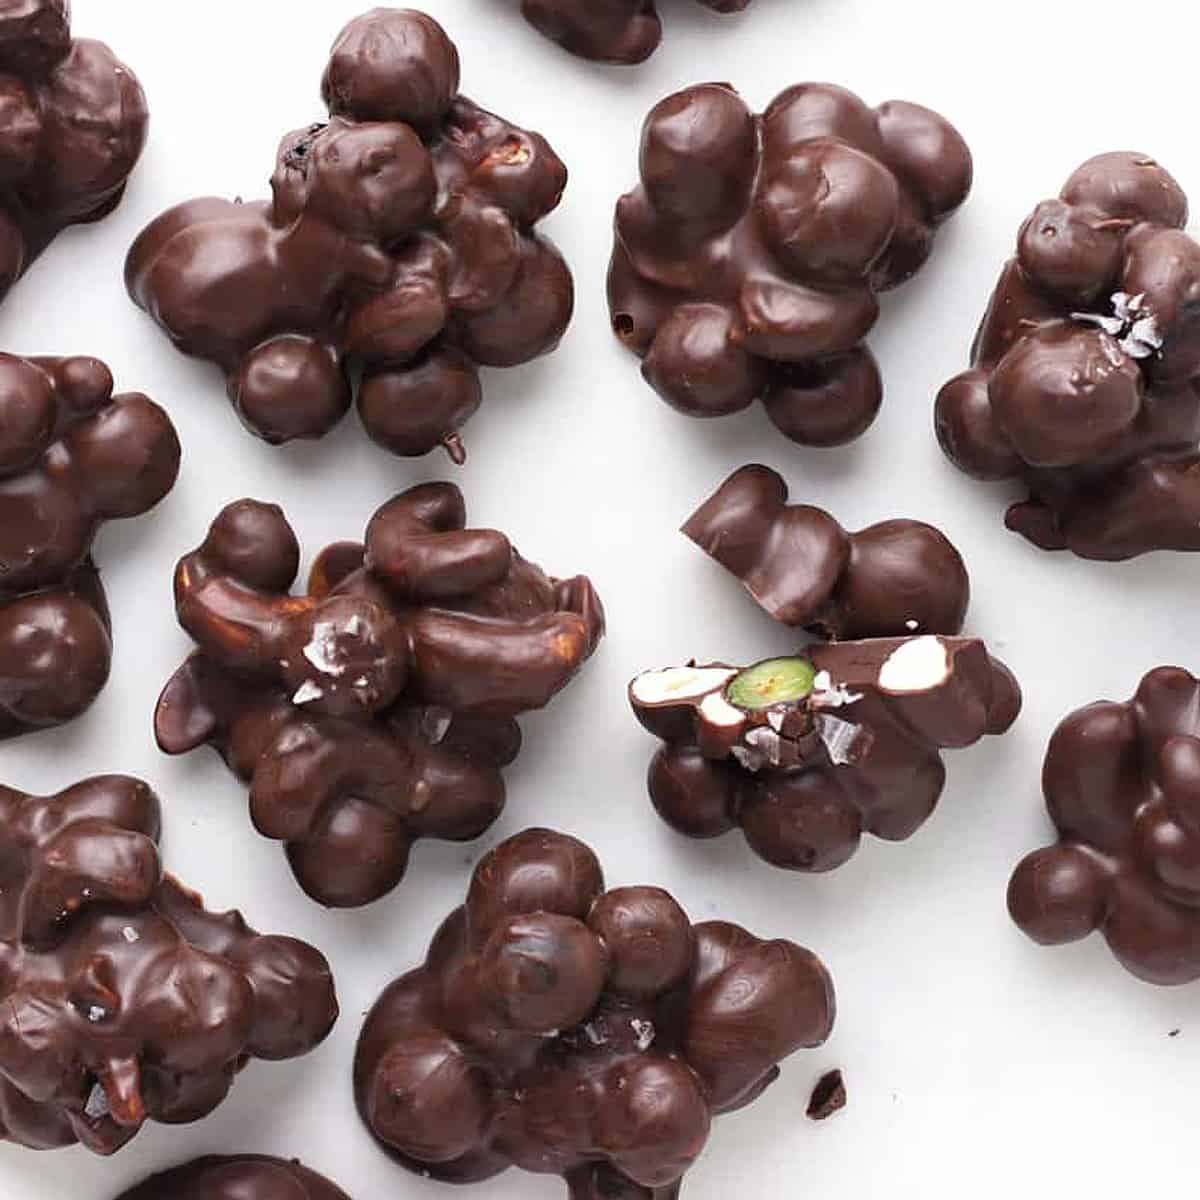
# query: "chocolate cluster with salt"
(241, 1177)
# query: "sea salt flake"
(307, 692)
(644, 1032)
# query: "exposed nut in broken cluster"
(806, 753)
(72, 456)
(749, 260)
(379, 706)
(568, 1030)
(124, 1000)
(400, 245)
(1122, 786)
(244, 1177)
(1082, 386)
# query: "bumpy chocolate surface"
(748, 261)
(246, 1177)
(72, 456)
(379, 707)
(623, 32)
(121, 999)
(806, 754)
(400, 240)
(1083, 378)
(571, 1031)
(1122, 785)
(73, 123)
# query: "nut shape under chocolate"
(244, 1177)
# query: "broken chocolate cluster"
(72, 456)
(571, 1031)
(121, 999)
(1084, 371)
(73, 123)
(806, 753)
(400, 240)
(623, 32)
(379, 707)
(748, 261)
(245, 1177)
(1122, 785)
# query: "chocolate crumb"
(828, 1097)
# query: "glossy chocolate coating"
(1083, 375)
(380, 706)
(400, 240)
(572, 1031)
(121, 999)
(72, 456)
(1122, 785)
(73, 123)
(748, 260)
(621, 32)
(245, 1177)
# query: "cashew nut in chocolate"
(72, 456)
(807, 753)
(1083, 383)
(121, 999)
(749, 259)
(622, 32)
(1122, 786)
(246, 1177)
(400, 244)
(73, 123)
(379, 707)
(573, 1031)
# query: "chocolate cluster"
(623, 32)
(72, 456)
(121, 999)
(399, 247)
(246, 1177)
(807, 753)
(749, 260)
(73, 123)
(1122, 785)
(380, 706)
(1083, 383)
(571, 1031)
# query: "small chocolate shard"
(828, 1096)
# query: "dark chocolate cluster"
(399, 244)
(623, 32)
(1122, 785)
(571, 1031)
(72, 456)
(379, 707)
(73, 123)
(121, 999)
(807, 753)
(1083, 384)
(246, 1177)
(748, 262)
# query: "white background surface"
(975, 1062)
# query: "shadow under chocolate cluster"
(244, 1177)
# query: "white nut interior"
(915, 666)
(679, 683)
(716, 710)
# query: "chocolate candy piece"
(121, 999)
(1122, 785)
(622, 32)
(828, 1096)
(1083, 373)
(246, 1177)
(572, 1031)
(807, 753)
(400, 239)
(379, 707)
(73, 123)
(748, 260)
(72, 456)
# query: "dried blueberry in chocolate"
(568, 1030)
(1082, 383)
(399, 250)
(379, 706)
(72, 456)
(806, 753)
(748, 260)
(244, 1177)
(122, 1000)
